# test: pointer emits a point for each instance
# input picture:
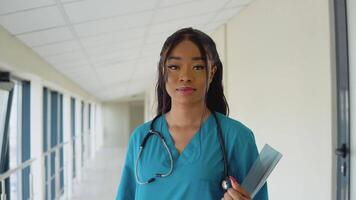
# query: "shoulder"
(235, 129)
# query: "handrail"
(48, 152)
(56, 151)
(8, 173)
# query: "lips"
(186, 90)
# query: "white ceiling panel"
(9, 6)
(75, 69)
(73, 64)
(139, 86)
(23, 22)
(46, 37)
(66, 57)
(151, 51)
(214, 25)
(115, 75)
(174, 25)
(83, 77)
(170, 26)
(59, 48)
(146, 68)
(227, 14)
(105, 49)
(198, 22)
(235, 3)
(115, 24)
(170, 3)
(109, 47)
(113, 92)
(115, 37)
(158, 38)
(197, 9)
(97, 9)
(113, 58)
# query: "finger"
(227, 196)
(235, 194)
(237, 187)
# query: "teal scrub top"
(198, 170)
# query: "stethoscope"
(225, 183)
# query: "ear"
(212, 73)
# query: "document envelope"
(261, 169)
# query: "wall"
(150, 104)
(116, 118)
(136, 114)
(280, 85)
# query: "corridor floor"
(100, 176)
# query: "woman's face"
(186, 75)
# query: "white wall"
(279, 84)
(116, 118)
(150, 103)
(136, 114)
(352, 59)
(99, 132)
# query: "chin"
(188, 100)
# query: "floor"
(101, 176)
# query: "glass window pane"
(4, 96)
(14, 158)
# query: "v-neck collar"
(192, 150)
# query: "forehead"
(185, 49)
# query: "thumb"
(237, 187)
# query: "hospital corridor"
(80, 78)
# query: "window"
(17, 141)
(53, 143)
(82, 134)
(72, 128)
(6, 93)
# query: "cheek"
(169, 88)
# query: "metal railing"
(8, 173)
(57, 170)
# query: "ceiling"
(109, 47)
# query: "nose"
(185, 75)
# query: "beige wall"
(136, 114)
(279, 84)
(116, 118)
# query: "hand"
(236, 192)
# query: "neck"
(185, 116)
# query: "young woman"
(191, 148)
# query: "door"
(351, 26)
(343, 100)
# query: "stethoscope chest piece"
(226, 183)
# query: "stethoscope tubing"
(225, 183)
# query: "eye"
(173, 67)
(199, 67)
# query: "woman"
(188, 162)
